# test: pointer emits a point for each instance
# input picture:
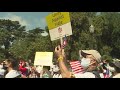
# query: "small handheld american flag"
(64, 42)
(76, 67)
(106, 74)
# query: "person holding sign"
(89, 62)
(46, 72)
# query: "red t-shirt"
(23, 70)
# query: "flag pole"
(61, 41)
(60, 35)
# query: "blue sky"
(29, 19)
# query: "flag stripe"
(76, 67)
(75, 64)
(107, 74)
(64, 42)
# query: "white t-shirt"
(2, 71)
(57, 76)
(1, 66)
(101, 75)
(60, 76)
(12, 74)
(55, 68)
(39, 69)
(85, 75)
(117, 76)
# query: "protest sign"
(43, 58)
(59, 25)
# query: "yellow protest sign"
(43, 58)
(57, 19)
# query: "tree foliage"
(105, 39)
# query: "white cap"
(95, 53)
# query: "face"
(23, 63)
(92, 62)
(29, 61)
(7, 64)
(92, 59)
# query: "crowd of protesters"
(93, 67)
(10, 68)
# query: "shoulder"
(117, 76)
(85, 75)
(101, 75)
(12, 74)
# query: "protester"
(106, 67)
(51, 71)
(57, 74)
(39, 68)
(28, 68)
(101, 70)
(30, 62)
(12, 69)
(89, 62)
(55, 68)
(115, 69)
(23, 69)
(2, 71)
(46, 73)
(56, 71)
(34, 73)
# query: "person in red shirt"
(23, 69)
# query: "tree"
(32, 43)
(109, 33)
(81, 38)
(105, 39)
(9, 31)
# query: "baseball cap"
(95, 53)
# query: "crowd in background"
(91, 62)
(10, 68)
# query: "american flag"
(76, 67)
(64, 42)
(107, 74)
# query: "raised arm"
(64, 71)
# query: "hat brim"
(84, 53)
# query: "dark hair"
(13, 62)
(104, 66)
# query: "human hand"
(58, 51)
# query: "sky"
(29, 19)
